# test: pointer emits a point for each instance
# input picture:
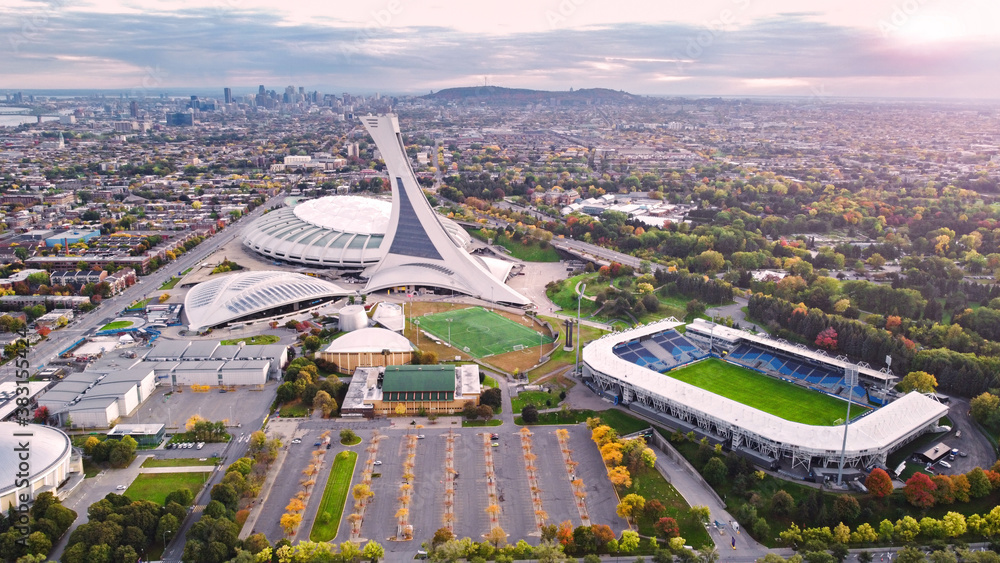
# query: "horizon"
(733, 48)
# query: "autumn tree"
(919, 490)
(630, 505)
(878, 483)
(620, 477)
(827, 339)
(667, 527)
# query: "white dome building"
(253, 296)
(35, 458)
(368, 347)
(332, 231)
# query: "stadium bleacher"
(660, 352)
(817, 377)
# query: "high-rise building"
(228, 92)
(133, 108)
(261, 91)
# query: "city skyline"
(910, 48)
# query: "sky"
(860, 48)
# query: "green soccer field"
(484, 333)
(765, 393)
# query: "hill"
(498, 94)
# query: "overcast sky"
(922, 48)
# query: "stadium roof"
(251, 295)
(332, 231)
(708, 328)
(877, 431)
(370, 340)
(48, 446)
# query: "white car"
(297, 441)
(120, 488)
(944, 464)
(378, 463)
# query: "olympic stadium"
(405, 243)
(48, 465)
(718, 382)
(343, 232)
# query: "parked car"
(120, 488)
(494, 436)
(377, 463)
(420, 436)
(297, 441)
(944, 464)
(201, 445)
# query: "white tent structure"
(420, 251)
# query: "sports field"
(479, 332)
(766, 393)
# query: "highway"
(46, 350)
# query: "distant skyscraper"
(261, 90)
(133, 108)
(228, 94)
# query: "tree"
(954, 524)
(603, 534)
(919, 490)
(918, 381)
(529, 414)
(875, 261)
(629, 542)
(484, 412)
(715, 471)
(827, 338)
(163, 297)
(620, 477)
(373, 551)
(979, 483)
(289, 522)
(325, 403)
(878, 483)
(986, 409)
(782, 503)
(492, 397)
(497, 537)
(348, 436)
(846, 508)
(630, 505)
(667, 528)
(311, 343)
(701, 513)
(441, 536)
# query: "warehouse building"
(96, 399)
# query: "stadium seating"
(660, 352)
(820, 378)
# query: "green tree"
(715, 471)
(918, 381)
(373, 552)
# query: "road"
(46, 350)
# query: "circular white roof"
(349, 214)
(47, 447)
(370, 340)
(234, 296)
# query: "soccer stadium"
(780, 405)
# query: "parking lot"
(242, 406)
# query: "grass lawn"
(180, 462)
(156, 486)
(490, 382)
(541, 399)
(480, 332)
(90, 469)
(169, 284)
(115, 325)
(331, 508)
(765, 393)
(560, 417)
(565, 294)
(650, 484)
(140, 304)
(253, 340)
(354, 442)
(475, 423)
(531, 252)
(622, 422)
(294, 410)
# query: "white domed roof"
(47, 447)
(234, 296)
(370, 340)
(349, 214)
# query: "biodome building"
(344, 232)
(46, 465)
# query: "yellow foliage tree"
(195, 419)
(620, 476)
(289, 522)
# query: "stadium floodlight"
(851, 379)
(579, 300)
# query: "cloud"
(787, 53)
